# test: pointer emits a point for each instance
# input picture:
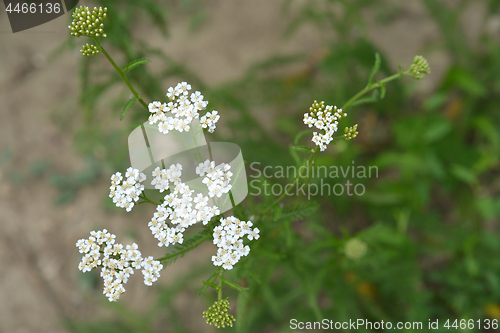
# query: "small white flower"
(324, 118)
(117, 263)
(125, 194)
(179, 207)
(181, 110)
(228, 238)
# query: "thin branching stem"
(372, 86)
(146, 199)
(121, 73)
(310, 161)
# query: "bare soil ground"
(39, 280)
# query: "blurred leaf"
(464, 174)
(372, 99)
(233, 285)
(278, 211)
(461, 78)
(435, 101)
(437, 129)
(301, 134)
(303, 148)
(487, 207)
(382, 89)
(375, 69)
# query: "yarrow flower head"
(118, 262)
(163, 177)
(180, 206)
(351, 132)
(217, 314)
(179, 113)
(125, 191)
(419, 68)
(209, 120)
(217, 177)
(355, 248)
(325, 118)
(228, 238)
(86, 23)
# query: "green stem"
(143, 197)
(120, 72)
(186, 249)
(237, 208)
(219, 290)
(295, 182)
(368, 88)
(310, 162)
(372, 86)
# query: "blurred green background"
(429, 221)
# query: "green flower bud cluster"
(317, 107)
(89, 50)
(351, 132)
(88, 24)
(419, 68)
(217, 314)
(355, 248)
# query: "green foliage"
(429, 218)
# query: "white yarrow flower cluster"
(209, 120)
(324, 118)
(118, 262)
(217, 177)
(181, 110)
(228, 238)
(163, 177)
(181, 207)
(126, 190)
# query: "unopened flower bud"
(217, 314)
(86, 23)
(355, 249)
(89, 50)
(351, 132)
(419, 68)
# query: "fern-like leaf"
(189, 244)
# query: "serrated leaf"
(186, 246)
(302, 148)
(127, 106)
(298, 211)
(375, 68)
(133, 64)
